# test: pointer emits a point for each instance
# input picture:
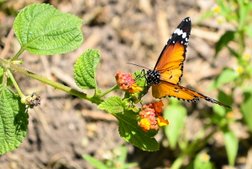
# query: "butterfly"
(166, 75)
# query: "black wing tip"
(186, 24)
(217, 102)
(181, 34)
(187, 19)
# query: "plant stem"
(14, 82)
(15, 57)
(178, 162)
(4, 81)
(108, 91)
(241, 42)
(6, 64)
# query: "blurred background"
(64, 128)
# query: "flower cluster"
(127, 83)
(151, 116)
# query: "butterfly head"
(153, 77)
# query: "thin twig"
(43, 79)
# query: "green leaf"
(234, 52)
(176, 114)
(224, 40)
(94, 162)
(112, 105)
(128, 125)
(84, 69)
(219, 117)
(202, 161)
(220, 111)
(246, 108)
(141, 82)
(225, 98)
(244, 9)
(13, 120)
(226, 76)
(41, 29)
(248, 30)
(140, 78)
(131, 132)
(231, 144)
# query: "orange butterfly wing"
(170, 64)
(164, 89)
(170, 61)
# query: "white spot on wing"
(178, 31)
(184, 35)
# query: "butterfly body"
(166, 75)
(153, 77)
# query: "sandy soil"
(63, 128)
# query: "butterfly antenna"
(137, 65)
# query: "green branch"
(15, 57)
(16, 68)
(108, 91)
(14, 82)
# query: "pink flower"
(150, 116)
(127, 83)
